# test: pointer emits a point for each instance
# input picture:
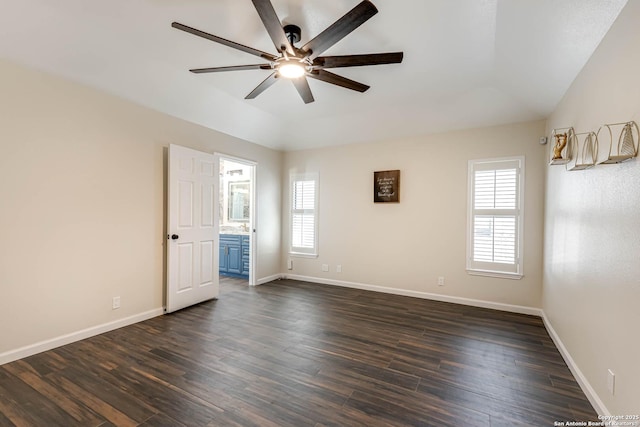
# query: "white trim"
(52, 343)
(424, 295)
(489, 273)
(268, 279)
(591, 394)
(253, 242)
(236, 159)
(302, 255)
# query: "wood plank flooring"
(291, 353)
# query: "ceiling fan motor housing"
(292, 32)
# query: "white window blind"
(304, 224)
(495, 217)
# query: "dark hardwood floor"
(298, 354)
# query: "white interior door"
(192, 230)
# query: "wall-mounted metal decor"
(621, 139)
(584, 147)
(561, 148)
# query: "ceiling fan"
(296, 63)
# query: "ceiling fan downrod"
(292, 32)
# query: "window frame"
(494, 269)
(297, 251)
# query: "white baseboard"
(424, 295)
(591, 394)
(268, 279)
(41, 346)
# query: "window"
(494, 243)
(304, 215)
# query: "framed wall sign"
(386, 186)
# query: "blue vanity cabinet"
(234, 255)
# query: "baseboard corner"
(268, 279)
(584, 384)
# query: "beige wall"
(82, 205)
(592, 240)
(406, 246)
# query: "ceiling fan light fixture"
(296, 64)
(291, 69)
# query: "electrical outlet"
(325, 267)
(289, 264)
(441, 281)
(116, 303)
(338, 268)
(611, 381)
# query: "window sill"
(497, 274)
(302, 255)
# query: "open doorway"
(237, 219)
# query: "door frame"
(253, 247)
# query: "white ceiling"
(467, 63)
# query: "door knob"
(174, 237)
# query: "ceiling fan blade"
(231, 68)
(339, 29)
(335, 79)
(225, 42)
(302, 86)
(263, 86)
(273, 25)
(357, 60)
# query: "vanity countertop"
(235, 229)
